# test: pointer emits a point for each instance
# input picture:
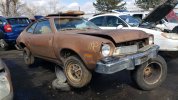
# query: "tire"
(28, 57)
(1, 34)
(150, 74)
(175, 29)
(3, 45)
(78, 76)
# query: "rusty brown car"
(80, 48)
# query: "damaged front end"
(113, 64)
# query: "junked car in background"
(10, 28)
(166, 41)
(6, 90)
(162, 15)
(80, 48)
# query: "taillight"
(8, 28)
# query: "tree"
(146, 4)
(108, 5)
(3, 8)
(12, 8)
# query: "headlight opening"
(106, 50)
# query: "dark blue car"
(10, 28)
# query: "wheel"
(3, 44)
(76, 72)
(28, 57)
(150, 74)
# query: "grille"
(129, 47)
(126, 50)
(139, 43)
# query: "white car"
(157, 16)
(166, 41)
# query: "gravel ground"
(34, 83)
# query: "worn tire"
(1, 34)
(76, 72)
(28, 57)
(175, 29)
(3, 45)
(148, 77)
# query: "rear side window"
(43, 27)
(14, 21)
(98, 21)
(31, 28)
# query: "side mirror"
(120, 26)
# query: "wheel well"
(22, 45)
(68, 52)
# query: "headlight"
(173, 36)
(151, 40)
(106, 49)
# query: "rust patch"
(93, 46)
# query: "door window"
(43, 27)
(31, 28)
(98, 21)
(112, 21)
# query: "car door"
(41, 41)
(113, 22)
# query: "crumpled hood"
(161, 11)
(118, 36)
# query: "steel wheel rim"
(152, 73)
(74, 72)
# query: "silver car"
(6, 90)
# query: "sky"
(84, 5)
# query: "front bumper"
(110, 65)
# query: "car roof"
(15, 17)
(61, 17)
(109, 14)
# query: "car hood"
(118, 36)
(161, 11)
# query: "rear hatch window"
(15, 21)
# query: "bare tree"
(7, 7)
(3, 8)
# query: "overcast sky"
(85, 5)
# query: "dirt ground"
(34, 83)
